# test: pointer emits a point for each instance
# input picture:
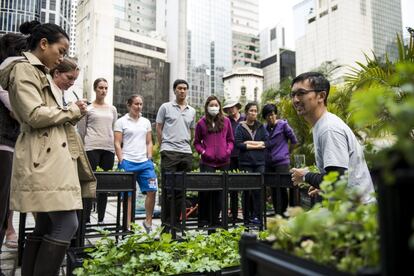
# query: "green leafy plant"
(145, 254)
(338, 232)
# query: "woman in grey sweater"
(97, 132)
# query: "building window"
(334, 8)
(363, 7)
(242, 99)
(52, 18)
(273, 34)
(322, 14)
(255, 93)
(52, 5)
(311, 20)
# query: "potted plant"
(337, 236)
(387, 106)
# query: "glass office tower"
(209, 48)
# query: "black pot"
(259, 258)
(396, 214)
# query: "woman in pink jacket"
(214, 141)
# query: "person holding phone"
(50, 172)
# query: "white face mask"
(213, 110)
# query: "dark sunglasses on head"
(302, 92)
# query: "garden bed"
(146, 254)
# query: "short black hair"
(267, 109)
(179, 81)
(317, 81)
(248, 105)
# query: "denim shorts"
(146, 177)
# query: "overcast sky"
(273, 12)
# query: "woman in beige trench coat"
(49, 166)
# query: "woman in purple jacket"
(277, 151)
(214, 141)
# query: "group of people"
(47, 165)
(232, 142)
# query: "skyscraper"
(209, 48)
(340, 32)
(111, 45)
(245, 30)
(277, 61)
(14, 12)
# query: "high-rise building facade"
(57, 12)
(278, 67)
(208, 48)
(138, 16)
(386, 23)
(171, 24)
(271, 40)
(277, 62)
(340, 32)
(72, 34)
(245, 30)
(13, 13)
(132, 60)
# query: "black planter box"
(244, 181)
(396, 220)
(115, 181)
(75, 257)
(200, 181)
(278, 180)
(258, 258)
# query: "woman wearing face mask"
(214, 141)
(250, 139)
(97, 132)
(49, 172)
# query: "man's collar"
(174, 102)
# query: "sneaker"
(101, 223)
(255, 221)
(147, 228)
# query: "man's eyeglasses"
(302, 92)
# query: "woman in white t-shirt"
(96, 130)
(133, 132)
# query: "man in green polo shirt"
(175, 125)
